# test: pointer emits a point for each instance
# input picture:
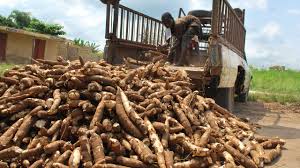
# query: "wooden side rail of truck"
(221, 71)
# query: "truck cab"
(221, 71)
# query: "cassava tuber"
(93, 114)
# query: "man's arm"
(172, 52)
(175, 45)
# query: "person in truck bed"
(186, 32)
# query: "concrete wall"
(51, 51)
(19, 48)
(72, 52)
(62, 50)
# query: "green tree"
(36, 25)
(6, 22)
(21, 19)
(45, 28)
(54, 29)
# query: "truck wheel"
(243, 97)
(225, 98)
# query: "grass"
(4, 67)
(275, 86)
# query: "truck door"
(3, 41)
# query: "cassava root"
(88, 114)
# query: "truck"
(220, 71)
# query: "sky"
(273, 26)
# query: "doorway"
(39, 49)
(3, 41)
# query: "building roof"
(34, 34)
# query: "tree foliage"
(6, 22)
(42, 27)
(21, 19)
(36, 25)
(24, 20)
(54, 29)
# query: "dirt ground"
(276, 120)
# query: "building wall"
(72, 52)
(19, 48)
(63, 50)
(51, 51)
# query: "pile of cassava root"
(86, 114)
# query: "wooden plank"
(231, 27)
(221, 14)
(107, 21)
(138, 28)
(143, 29)
(132, 26)
(151, 33)
(215, 18)
(158, 34)
(155, 33)
(226, 23)
(121, 24)
(147, 31)
(127, 24)
(141, 14)
(116, 19)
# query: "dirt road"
(276, 122)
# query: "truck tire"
(243, 97)
(225, 98)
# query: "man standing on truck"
(186, 30)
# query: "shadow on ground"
(272, 123)
(285, 125)
(280, 131)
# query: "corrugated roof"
(34, 34)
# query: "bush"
(83, 43)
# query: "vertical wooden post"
(107, 21)
(121, 24)
(151, 32)
(116, 17)
(127, 24)
(215, 17)
(154, 34)
(143, 29)
(158, 34)
(132, 26)
(138, 28)
(3, 44)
